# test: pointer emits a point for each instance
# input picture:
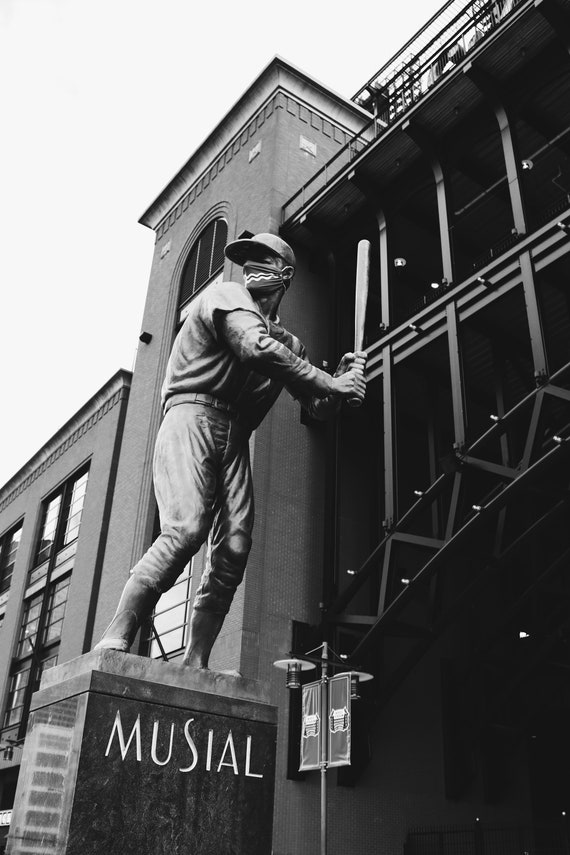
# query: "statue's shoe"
(120, 644)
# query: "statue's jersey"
(226, 348)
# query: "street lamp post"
(324, 706)
(295, 666)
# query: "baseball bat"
(360, 300)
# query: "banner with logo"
(339, 723)
(311, 728)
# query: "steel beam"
(384, 269)
(534, 320)
(418, 540)
(332, 450)
(390, 500)
(557, 392)
(430, 148)
(385, 578)
(459, 420)
(378, 202)
(499, 375)
(466, 598)
(531, 436)
(491, 90)
(506, 472)
(558, 456)
(454, 480)
(433, 455)
(453, 505)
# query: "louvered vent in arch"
(205, 261)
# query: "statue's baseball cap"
(251, 248)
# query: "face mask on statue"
(259, 276)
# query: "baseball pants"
(202, 481)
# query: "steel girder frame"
(544, 438)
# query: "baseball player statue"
(229, 363)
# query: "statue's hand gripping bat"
(360, 301)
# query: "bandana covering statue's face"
(266, 273)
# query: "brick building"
(54, 516)
(424, 535)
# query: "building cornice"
(90, 413)
(237, 126)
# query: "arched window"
(205, 261)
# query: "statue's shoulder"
(221, 286)
(227, 296)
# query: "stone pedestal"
(129, 755)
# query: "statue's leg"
(228, 553)
(184, 483)
(205, 627)
(137, 602)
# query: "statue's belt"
(200, 398)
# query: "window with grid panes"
(172, 613)
(28, 640)
(57, 601)
(19, 682)
(48, 527)
(8, 548)
(21, 687)
(73, 508)
(171, 617)
(44, 609)
(35, 653)
(206, 260)
(61, 518)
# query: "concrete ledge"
(157, 672)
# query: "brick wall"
(90, 437)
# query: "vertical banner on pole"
(339, 723)
(311, 728)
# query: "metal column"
(459, 421)
(534, 321)
(429, 145)
(491, 90)
(384, 269)
(390, 502)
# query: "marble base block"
(129, 755)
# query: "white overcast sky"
(102, 101)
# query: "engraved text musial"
(220, 751)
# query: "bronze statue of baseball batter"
(229, 363)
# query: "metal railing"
(454, 29)
(459, 27)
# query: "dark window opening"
(8, 549)
(61, 519)
(45, 600)
(171, 618)
(38, 648)
(205, 260)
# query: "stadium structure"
(425, 535)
